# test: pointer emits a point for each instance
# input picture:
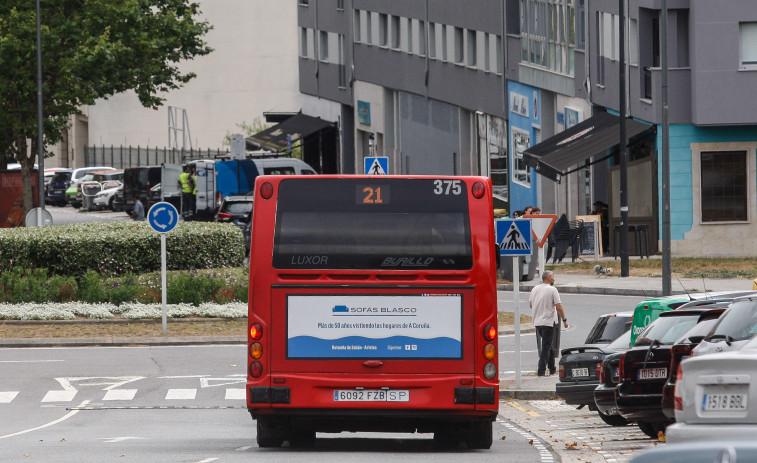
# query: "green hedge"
(118, 248)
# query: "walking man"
(545, 304)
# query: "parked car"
(700, 452)
(105, 198)
(716, 397)
(644, 369)
(682, 349)
(604, 393)
(118, 199)
(578, 366)
(56, 192)
(580, 373)
(48, 176)
(235, 209)
(737, 326)
(95, 181)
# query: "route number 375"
(447, 187)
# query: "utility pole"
(623, 143)
(666, 258)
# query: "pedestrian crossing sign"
(514, 237)
(377, 165)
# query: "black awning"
(296, 127)
(554, 156)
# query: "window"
(342, 67)
(748, 33)
(548, 34)
(395, 31)
(724, 186)
(383, 29)
(340, 5)
(303, 42)
(444, 43)
(633, 42)
(459, 45)
(487, 52)
(356, 26)
(368, 16)
(304, 2)
(323, 45)
(432, 40)
(421, 38)
(408, 34)
(471, 51)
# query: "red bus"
(373, 308)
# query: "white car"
(104, 199)
(716, 397)
(735, 328)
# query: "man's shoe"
(541, 374)
(552, 372)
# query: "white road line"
(60, 396)
(181, 394)
(207, 460)
(30, 361)
(242, 449)
(7, 396)
(120, 394)
(63, 418)
(236, 394)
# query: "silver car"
(712, 397)
(735, 327)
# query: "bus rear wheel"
(446, 439)
(479, 435)
(267, 435)
(302, 438)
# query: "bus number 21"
(372, 195)
(445, 187)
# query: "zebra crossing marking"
(60, 396)
(181, 394)
(120, 394)
(7, 396)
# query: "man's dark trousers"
(545, 349)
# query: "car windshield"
(666, 330)
(608, 328)
(697, 332)
(737, 323)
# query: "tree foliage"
(91, 49)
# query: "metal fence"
(122, 157)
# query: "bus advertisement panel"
(373, 308)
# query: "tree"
(90, 49)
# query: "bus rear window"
(356, 224)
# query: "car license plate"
(653, 373)
(576, 372)
(372, 395)
(724, 402)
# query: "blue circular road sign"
(163, 217)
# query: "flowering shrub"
(133, 310)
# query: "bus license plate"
(653, 373)
(372, 395)
(724, 402)
(578, 372)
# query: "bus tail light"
(490, 371)
(256, 350)
(478, 190)
(256, 369)
(256, 331)
(490, 352)
(490, 332)
(266, 190)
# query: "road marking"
(60, 396)
(517, 406)
(61, 419)
(115, 440)
(111, 381)
(242, 449)
(7, 396)
(207, 460)
(236, 394)
(30, 361)
(120, 394)
(206, 382)
(181, 394)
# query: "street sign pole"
(163, 280)
(163, 217)
(514, 238)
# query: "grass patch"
(122, 330)
(508, 318)
(681, 267)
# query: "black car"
(604, 394)
(580, 373)
(235, 209)
(579, 365)
(644, 369)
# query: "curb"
(646, 293)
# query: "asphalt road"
(179, 404)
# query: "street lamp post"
(40, 127)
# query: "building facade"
(481, 87)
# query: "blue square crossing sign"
(514, 237)
(377, 165)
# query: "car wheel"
(613, 420)
(648, 428)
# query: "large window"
(548, 34)
(724, 186)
